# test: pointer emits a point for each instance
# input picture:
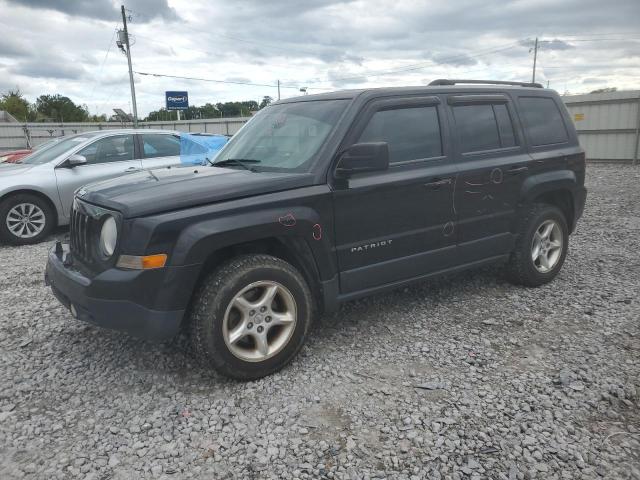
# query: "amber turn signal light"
(147, 262)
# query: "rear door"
(493, 163)
(159, 150)
(397, 224)
(107, 157)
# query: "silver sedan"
(36, 194)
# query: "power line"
(233, 82)
(103, 62)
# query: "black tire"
(521, 268)
(7, 236)
(215, 295)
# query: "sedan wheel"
(26, 220)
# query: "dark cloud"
(40, 68)
(591, 80)
(553, 44)
(141, 10)
(147, 10)
(11, 47)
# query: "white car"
(36, 194)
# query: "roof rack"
(446, 81)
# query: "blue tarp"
(197, 149)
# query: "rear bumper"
(92, 300)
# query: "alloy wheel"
(546, 246)
(26, 220)
(259, 321)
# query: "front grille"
(81, 234)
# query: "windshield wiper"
(237, 161)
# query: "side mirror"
(364, 157)
(75, 160)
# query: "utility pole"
(535, 58)
(128, 53)
(278, 89)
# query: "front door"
(493, 163)
(107, 157)
(397, 224)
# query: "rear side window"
(543, 121)
(412, 133)
(484, 127)
(160, 145)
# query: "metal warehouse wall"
(608, 124)
(20, 135)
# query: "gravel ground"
(467, 377)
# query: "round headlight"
(108, 237)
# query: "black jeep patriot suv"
(319, 200)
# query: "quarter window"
(160, 145)
(505, 127)
(484, 127)
(412, 133)
(543, 121)
(110, 149)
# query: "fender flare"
(298, 228)
(542, 183)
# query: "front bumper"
(112, 299)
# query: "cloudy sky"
(68, 46)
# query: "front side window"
(411, 133)
(484, 127)
(110, 149)
(543, 121)
(160, 145)
(284, 137)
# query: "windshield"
(46, 144)
(50, 152)
(283, 137)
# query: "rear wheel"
(25, 219)
(251, 316)
(541, 248)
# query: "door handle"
(517, 170)
(132, 169)
(438, 182)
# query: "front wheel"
(541, 248)
(251, 316)
(25, 219)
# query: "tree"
(266, 101)
(97, 118)
(61, 109)
(14, 103)
(605, 90)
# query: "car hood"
(162, 190)
(13, 168)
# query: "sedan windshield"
(52, 151)
(283, 137)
